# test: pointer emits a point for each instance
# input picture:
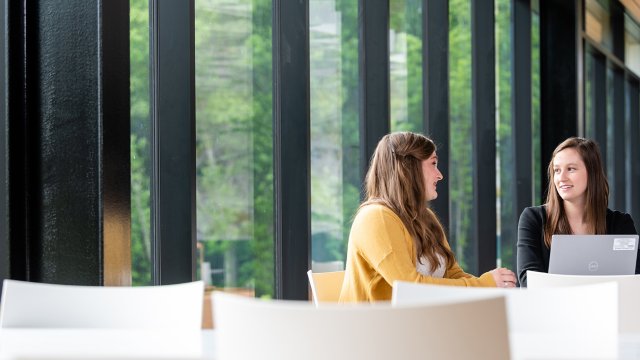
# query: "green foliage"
(234, 142)
(460, 152)
(140, 164)
(507, 217)
(406, 66)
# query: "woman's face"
(431, 176)
(570, 175)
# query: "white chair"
(257, 329)
(327, 266)
(571, 322)
(37, 305)
(628, 292)
(325, 287)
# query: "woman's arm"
(529, 248)
(384, 241)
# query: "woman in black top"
(577, 200)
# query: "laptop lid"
(593, 254)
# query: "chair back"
(628, 292)
(579, 321)
(288, 330)
(327, 266)
(326, 286)
(37, 305)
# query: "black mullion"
(599, 101)
(116, 148)
(435, 55)
(521, 132)
(484, 135)
(291, 126)
(633, 150)
(617, 186)
(173, 141)
(558, 77)
(13, 261)
(5, 260)
(373, 46)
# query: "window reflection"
(460, 171)
(597, 24)
(535, 105)
(631, 44)
(140, 140)
(405, 65)
(234, 176)
(506, 227)
(335, 179)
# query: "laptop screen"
(593, 254)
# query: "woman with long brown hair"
(577, 203)
(395, 236)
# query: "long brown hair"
(597, 193)
(395, 180)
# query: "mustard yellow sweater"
(381, 251)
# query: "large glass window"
(597, 22)
(631, 44)
(589, 111)
(234, 162)
(335, 177)
(506, 227)
(535, 105)
(140, 141)
(610, 136)
(460, 174)
(405, 65)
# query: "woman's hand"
(504, 278)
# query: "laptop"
(593, 254)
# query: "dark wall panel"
(64, 179)
(58, 136)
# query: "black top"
(533, 253)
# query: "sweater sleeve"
(529, 248)
(386, 244)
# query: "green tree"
(460, 176)
(140, 160)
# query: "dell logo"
(593, 266)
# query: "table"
(106, 343)
(32, 344)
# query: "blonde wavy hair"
(395, 180)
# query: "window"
(460, 179)
(597, 24)
(405, 62)
(234, 162)
(506, 227)
(140, 142)
(631, 44)
(335, 177)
